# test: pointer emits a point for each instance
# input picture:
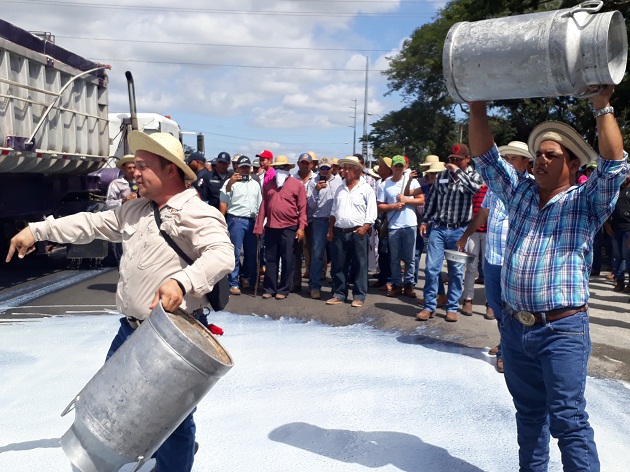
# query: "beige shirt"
(196, 227)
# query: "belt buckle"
(525, 318)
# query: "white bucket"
(561, 52)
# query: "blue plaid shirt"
(548, 252)
(498, 225)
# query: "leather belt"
(454, 225)
(527, 318)
(134, 322)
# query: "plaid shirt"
(450, 201)
(478, 199)
(548, 253)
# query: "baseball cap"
(459, 150)
(195, 156)
(305, 156)
(223, 157)
(243, 161)
(325, 162)
(256, 163)
(398, 160)
(266, 154)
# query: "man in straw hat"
(544, 323)
(352, 215)
(284, 208)
(150, 271)
(494, 214)
(448, 211)
(124, 188)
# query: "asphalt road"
(610, 318)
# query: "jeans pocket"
(574, 325)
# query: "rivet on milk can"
(574, 51)
(143, 392)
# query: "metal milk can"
(562, 52)
(143, 392)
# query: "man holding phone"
(240, 201)
(321, 194)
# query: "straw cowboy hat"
(372, 173)
(563, 134)
(386, 161)
(435, 167)
(163, 144)
(351, 161)
(430, 159)
(516, 148)
(282, 160)
(124, 160)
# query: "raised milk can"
(143, 392)
(573, 51)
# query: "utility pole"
(364, 148)
(354, 127)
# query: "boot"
(619, 286)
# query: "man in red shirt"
(284, 207)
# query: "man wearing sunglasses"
(448, 210)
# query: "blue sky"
(251, 75)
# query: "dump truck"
(59, 143)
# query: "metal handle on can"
(592, 6)
(70, 406)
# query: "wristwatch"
(603, 111)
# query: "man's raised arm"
(609, 136)
(479, 134)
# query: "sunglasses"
(456, 159)
(324, 168)
(281, 167)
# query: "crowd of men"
(520, 217)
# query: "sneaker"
(424, 315)
(235, 291)
(499, 365)
(409, 291)
(451, 316)
(334, 301)
(357, 303)
(467, 308)
(489, 313)
(395, 291)
(316, 294)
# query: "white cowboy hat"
(517, 148)
(435, 167)
(563, 134)
(430, 159)
(124, 160)
(282, 160)
(351, 161)
(162, 144)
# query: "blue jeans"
(349, 248)
(177, 453)
(440, 239)
(242, 235)
(419, 250)
(545, 372)
(620, 254)
(492, 281)
(320, 231)
(402, 246)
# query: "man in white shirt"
(124, 188)
(240, 201)
(353, 213)
(402, 224)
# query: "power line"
(214, 10)
(206, 64)
(221, 45)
